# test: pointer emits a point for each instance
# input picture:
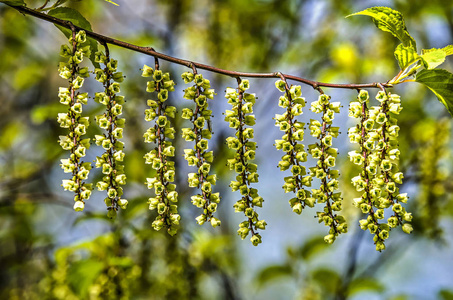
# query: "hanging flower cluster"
(161, 134)
(378, 157)
(242, 143)
(73, 119)
(326, 156)
(376, 133)
(111, 160)
(199, 156)
(295, 152)
(433, 138)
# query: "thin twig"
(150, 51)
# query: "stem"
(241, 152)
(289, 132)
(365, 154)
(44, 5)
(200, 152)
(404, 74)
(326, 169)
(150, 51)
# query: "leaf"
(390, 20)
(11, 132)
(41, 113)
(134, 207)
(399, 297)
(328, 279)
(82, 274)
(405, 56)
(359, 285)
(91, 216)
(76, 18)
(70, 14)
(112, 2)
(14, 2)
(446, 294)
(27, 76)
(440, 82)
(433, 57)
(123, 262)
(273, 272)
(448, 50)
(313, 247)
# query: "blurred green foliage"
(49, 252)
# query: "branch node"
(194, 68)
(106, 47)
(318, 88)
(71, 26)
(283, 78)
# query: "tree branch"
(150, 51)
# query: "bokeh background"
(47, 251)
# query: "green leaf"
(399, 297)
(448, 50)
(440, 82)
(313, 247)
(27, 76)
(11, 132)
(112, 2)
(70, 14)
(134, 208)
(41, 113)
(272, 273)
(89, 216)
(76, 18)
(328, 279)
(123, 262)
(433, 57)
(405, 56)
(82, 274)
(390, 20)
(14, 2)
(446, 294)
(359, 285)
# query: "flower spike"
(240, 116)
(73, 120)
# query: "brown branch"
(150, 51)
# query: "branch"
(151, 52)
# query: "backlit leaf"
(433, 57)
(390, 20)
(328, 279)
(82, 274)
(359, 285)
(272, 273)
(313, 247)
(109, 1)
(440, 82)
(405, 56)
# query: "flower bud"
(201, 219)
(122, 203)
(407, 228)
(79, 206)
(215, 222)
(256, 239)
